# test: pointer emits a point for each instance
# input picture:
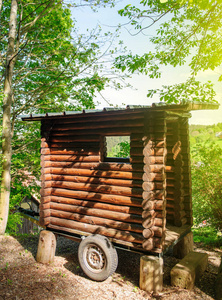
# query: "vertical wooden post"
(46, 247)
(185, 150)
(154, 155)
(45, 130)
(151, 274)
(183, 247)
(218, 289)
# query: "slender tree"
(6, 122)
(44, 65)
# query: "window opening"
(117, 148)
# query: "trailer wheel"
(97, 257)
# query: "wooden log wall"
(185, 151)
(80, 191)
(176, 157)
(127, 202)
(154, 184)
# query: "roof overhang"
(173, 108)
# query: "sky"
(108, 19)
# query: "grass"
(207, 235)
(219, 142)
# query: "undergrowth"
(208, 236)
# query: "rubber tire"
(109, 255)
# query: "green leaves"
(207, 182)
(190, 91)
(186, 31)
(56, 69)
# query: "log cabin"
(142, 202)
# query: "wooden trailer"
(142, 203)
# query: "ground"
(21, 277)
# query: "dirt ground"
(21, 277)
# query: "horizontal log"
(170, 176)
(75, 158)
(170, 205)
(151, 213)
(112, 215)
(75, 145)
(94, 180)
(87, 130)
(119, 200)
(153, 151)
(44, 221)
(139, 143)
(136, 160)
(148, 244)
(148, 204)
(170, 198)
(154, 176)
(90, 187)
(181, 222)
(146, 222)
(45, 213)
(158, 222)
(98, 122)
(97, 221)
(152, 195)
(71, 139)
(95, 229)
(69, 151)
(153, 231)
(170, 190)
(157, 136)
(179, 214)
(95, 166)
(44, 199)
(169, 169)
(150, 186)
(171, 183)
(95, 173)
(177, 163)
(170, 212)
(154, 160)
(153, 204)
(98, 205)
(153, 168)
(44, 206)
(152, 243)
(148, 233)
(185, 142)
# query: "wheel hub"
(95, 257)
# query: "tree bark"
(6, 121)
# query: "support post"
(218, 290)
(183, 247)
(46, 247)
(151, 273)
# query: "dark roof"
(177, 108)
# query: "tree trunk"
(6, 122)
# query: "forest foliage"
(187, 33)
